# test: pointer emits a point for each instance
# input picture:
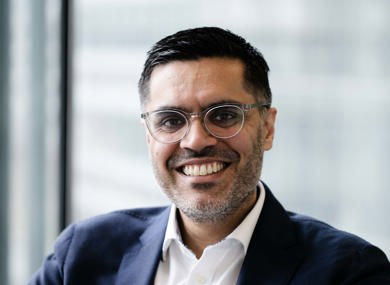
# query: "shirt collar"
(172, 232)
(242, 233)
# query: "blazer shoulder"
(118, 227)
(320, 233)
(337, 255)
(112, 235)
(93, 249)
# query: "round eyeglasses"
(222, 121)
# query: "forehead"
(197, 83)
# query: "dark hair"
(206, 42)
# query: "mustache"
(209, 152)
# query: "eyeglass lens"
(171, 126)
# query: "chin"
(202, 186)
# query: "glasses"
(222, 121)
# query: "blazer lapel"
(274, 252)
(272, 257)
(140, 264)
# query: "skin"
(210, 206)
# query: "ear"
(269, 128)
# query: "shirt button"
(201, 279)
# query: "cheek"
(242, 144)
(160, 153)
(248, 142)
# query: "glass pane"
(34, 129)
(330, 85)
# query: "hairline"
(257, 93)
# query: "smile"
(203, 169)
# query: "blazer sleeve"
(51, 271)
(371, 267)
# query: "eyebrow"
(217, 103)
(222, 102)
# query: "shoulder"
(330, 251)
(318, 233)
(120, 222)
(90, 249)
(119, 229)
(322, 253)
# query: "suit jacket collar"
(272, 257)
(274, 252)
(140, 264)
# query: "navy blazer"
(124, 247)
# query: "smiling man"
(212, 169)
(208, 120)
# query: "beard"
(240, 190)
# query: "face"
(207, 178)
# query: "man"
(206, 105)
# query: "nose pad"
(197, 137)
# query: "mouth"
(203, 169)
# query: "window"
(30, 138)
(330, 84)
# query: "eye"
(168, 121)
(225, 116)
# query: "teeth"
(202, 169)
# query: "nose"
(197, 137)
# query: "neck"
(198, 235)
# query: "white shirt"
(219, 264)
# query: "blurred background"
(72, 145)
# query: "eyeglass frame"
(201, 115)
